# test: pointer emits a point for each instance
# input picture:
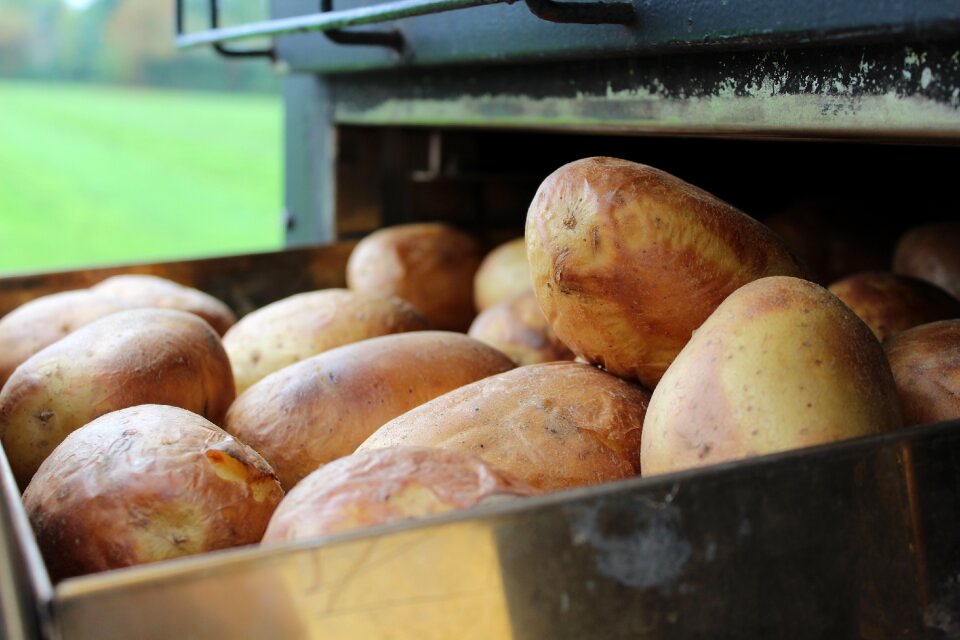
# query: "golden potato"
(518, 328)
(152, 291)
(128, 358)
(931, 253)
(781, 364)
(503, 274)
(628, 260)
(303, 325)
(143, 484)
(324, 407)
(926, 366)
(387, 485)
(41, 322)
(430, 265)
(890, 303)
(555, 426)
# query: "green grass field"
(99, 175)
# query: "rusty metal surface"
(850, 540)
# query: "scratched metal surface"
(851, 540)
(878, 92)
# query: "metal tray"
(854, 539)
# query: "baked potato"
(143, 484)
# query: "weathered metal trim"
(909, 92)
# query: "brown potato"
(781, 364)
(324, 407)
(931, 253)
(143, 484)
(431, 266)
(387, 485)
(889, 303)
(41, 322)
(518, 328)
(554, 425)
(503, 274)
(153, 291)
(128, 358)
(295, 328)
(628, 260)
(830, 241)
(926, 366)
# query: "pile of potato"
(145, 422)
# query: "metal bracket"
(327, 21)
(270, 52)
(392, 38)
(583, 12)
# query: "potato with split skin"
(503, 274)
(388, 485)
(890, 303)
(627, 261)
(781, 364)
(518, 328)
(152, 291)
(430, 265)
(41, 322)
(931, 253)
(128, 358)
(323, 408)
(926, 366)
(295, 328)
(144, 484)
(554, 426)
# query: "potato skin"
(324, 407)
(891, 303)
(152, 291)
(930, 253)
(555, 426)
(387, 485)
(518, 328)
(628, 260)
(128, 358)
(829, 241)
(429, 265)
(503, 274)
(781, 364)
(41, 322)
(303, 325)
(926, 366)
(143, 484)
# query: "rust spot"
(570, 221)
(44, 416)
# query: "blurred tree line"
(124, 41)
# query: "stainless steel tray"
(854, 539)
